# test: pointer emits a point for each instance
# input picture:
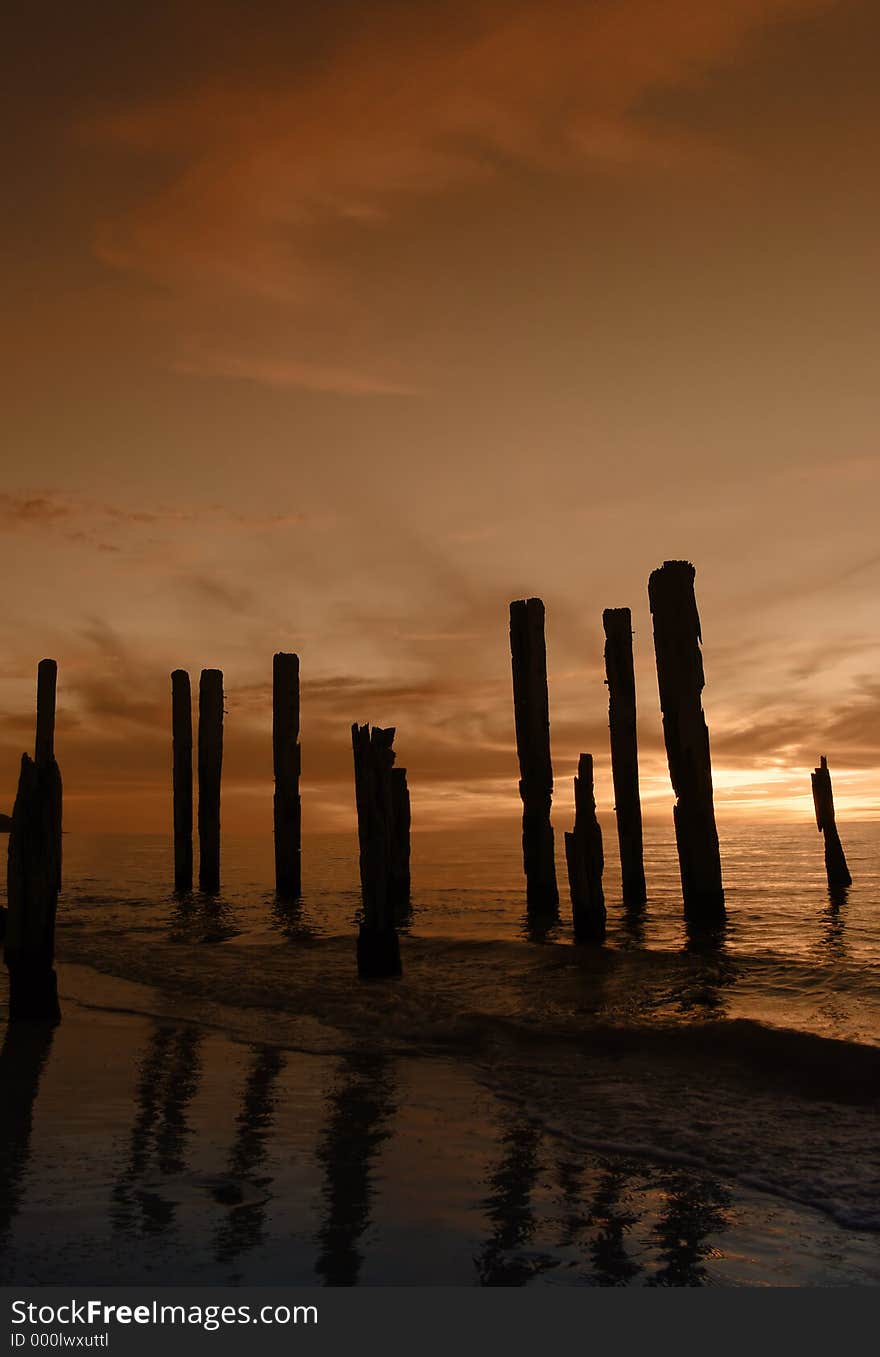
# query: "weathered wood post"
(401, 819)
(210, 768)
(532, 718)
(681, 680)
(182, 770)
(286, 760)
(620, 677)
(378, 947)
(34, 869)
(823, 800)
(585, 859)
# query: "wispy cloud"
(273, 188)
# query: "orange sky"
(335, 328)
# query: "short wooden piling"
(286, 760)
(210, 769)
(378, 948)
(585, 859)
(399, 873)
(34, 869)
(823, 799)
(681, 680)
(182, 751)
(532, 718)
(620, 677)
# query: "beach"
(225, 1102)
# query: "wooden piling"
(823, 800)
(620, 677)
(33, 877)
(681, 680)
(286, 759)
(210, 768)
(585, 859)
(399, 873)
(378, 950)
(182, 750)
(532, 718)
(44, 743)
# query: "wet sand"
(158, 1135)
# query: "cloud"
(291, 372)
(265, 190)
(88, 522)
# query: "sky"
(334, 328)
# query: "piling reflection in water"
(245, 1188)
(707, 942)
(23, 1058)
(508, 1206)
(612, 1218)
(695, 1209)
(167, 1084)
(361, 1109)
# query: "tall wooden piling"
(182, 752)
(681, 680)
(620, 677)
(532, 718)
(210, 768)
(823, 800)
(401, 818)
(34, 869)
(585, 859)
(44, 742)
(286, 759)
(378, 950)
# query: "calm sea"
(790, 955)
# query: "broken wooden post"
(286, 760)
(33, 877)
(401, 820)
(620, 677)
(823, 800)
(210, 768)
(378, 948)
(585, 859)
(182, 766)
(680, 677)
(532, 718)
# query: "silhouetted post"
(401, 819)
(680, 676)
(620, 677)
(823, 800)
(33, 877)
(286, 758)
(182, 771)
(585, 859)
(47, 679)
(378, 948)
(532, 716)
(210, 767)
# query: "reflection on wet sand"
(244, 1189)
(612, 1265)
(509, 1208)
(23, 1058)
(167, 1084)
(361, 1108)
(695, 1208)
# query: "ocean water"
(225, 1101)
(791, 954)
